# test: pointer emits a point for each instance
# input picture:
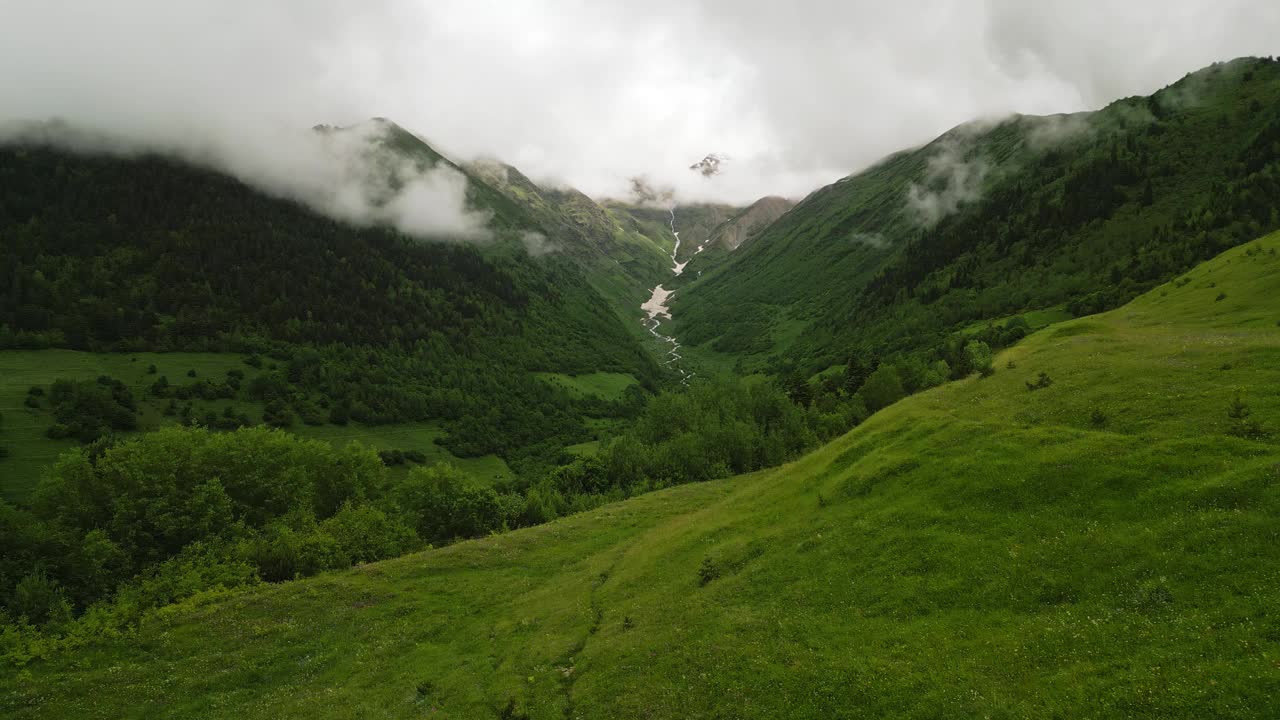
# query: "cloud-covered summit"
(591, 94)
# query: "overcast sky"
(589, 93)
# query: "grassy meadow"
(22, 429)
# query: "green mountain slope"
(994, 219)
(1099, 546)
(147, 254)
(620, 260)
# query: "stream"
(656, 310)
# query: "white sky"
(589, 93)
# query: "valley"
(976, 543)
(985, 428)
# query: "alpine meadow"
(946, 384)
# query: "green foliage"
(978, 356)
(1041, 382)
(708, 571)
(883, 388)
(444, 504)
(1240, 423)
(88, 410)
(38, 599)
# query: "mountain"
(736, 231)
(739, 229)
(147, 253)
(1088, 532)
(620, 259)
(994, 219)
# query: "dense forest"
(129, 254)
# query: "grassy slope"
(977, 550)
(22, 430)
(608, 386)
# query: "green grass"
(1036, 320)
(22, 430)
(408, 436)
(586, 449)
(978, 550)
(605, 385)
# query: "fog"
(588, 94)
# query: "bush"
(1042, 381)
(709, 570)
(39, 600)
(1097, 418)
(365, 534)
(977, 355)
(1239, 422)
(882, 389)
(444, 503)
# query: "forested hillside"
(125, 254)
(1073, 213)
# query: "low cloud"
(537, 244)
(875, 241)
(951, 180)
(344, 173)
(1053, 130)
(645, 193)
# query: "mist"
(590, 94)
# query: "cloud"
(1053, 130)
(343, 173)
(876, 241)
(952, 179)
(643, 192)
(537, 244)
(799, 94)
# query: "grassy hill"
(1100, 546)
(998, 218)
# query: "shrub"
(1042, 382)
(1097, 418)
(883, 388)
(39, 599)
(708, 571)
(1239, 422)
(977, 355)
